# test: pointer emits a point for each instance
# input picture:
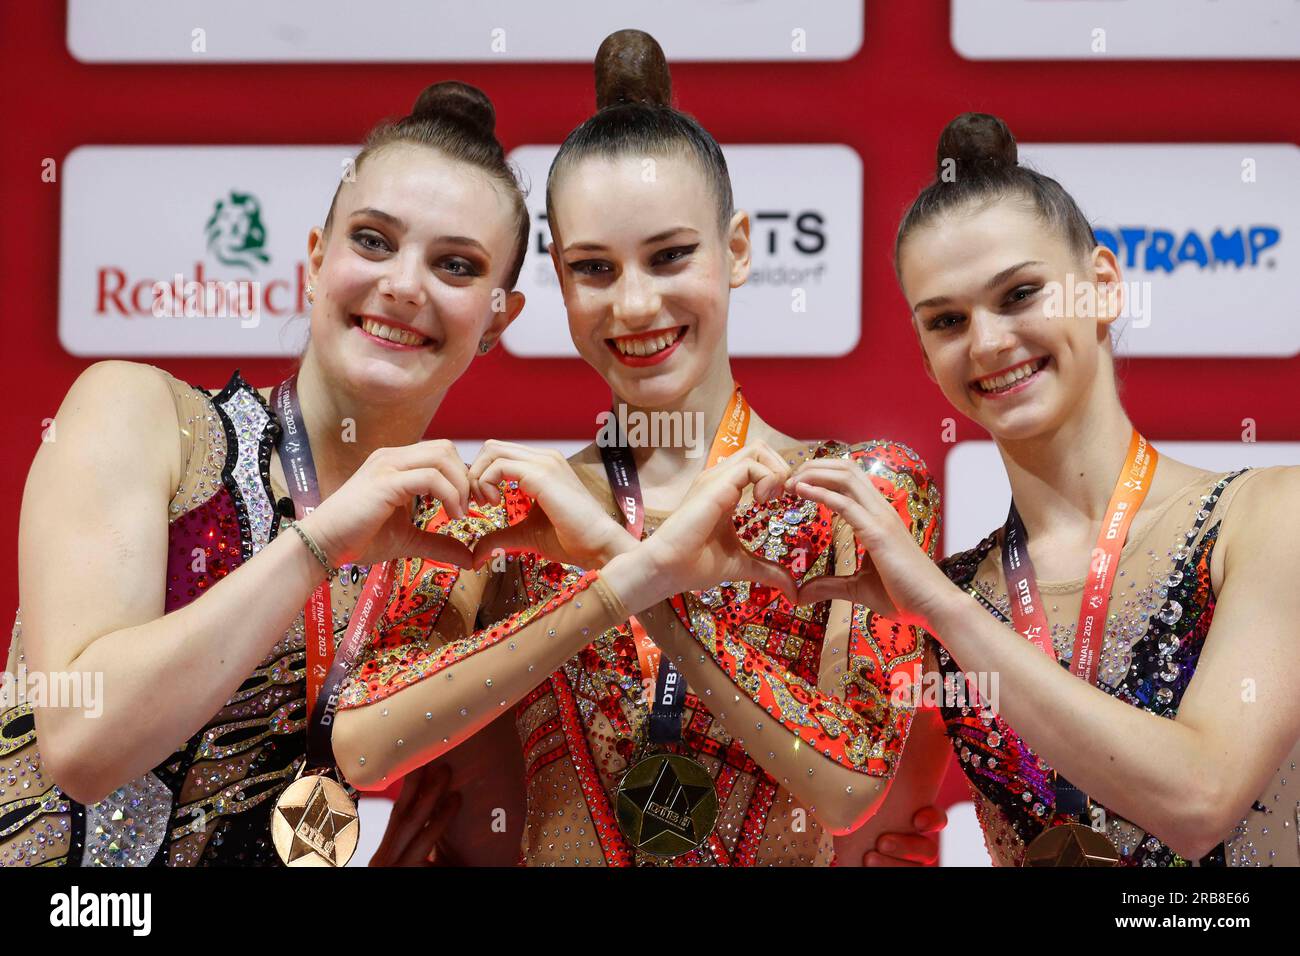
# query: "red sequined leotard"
(823, 672)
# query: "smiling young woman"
(1139, 612)
(154, 547)
(723, 693)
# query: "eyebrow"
(650, 241)
(993, 283)
(401, 227)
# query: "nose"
(990, 336)
(402, 283)
(636, 300)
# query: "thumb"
(773, 575)
(439, 548)
(825, 588)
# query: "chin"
(652, 391)
(384, 382)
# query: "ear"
(501, 319)
(315, 253)
(739, 249)
(1109, 281)
(925, 358)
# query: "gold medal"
(315, 822)
(666, 805)
(1071, 844)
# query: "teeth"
(646, 346)
(1010, 378)
(392, 333)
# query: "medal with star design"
(315, 822)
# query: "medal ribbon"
(326, 670)
(1027, 611)
(620, 469)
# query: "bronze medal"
(1071, 844)
(315, 822)
(667, 805)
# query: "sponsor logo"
(235, 232)
(1154, 249)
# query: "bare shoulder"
(1269, 499)
(1261, 530)
(117, 386)
(116, 412)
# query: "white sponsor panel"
(976, 493)
(961, 842)
(453, 31)
(192, 250)
(1126, 29)
(804, 293)
(1206, 237)
(470, 447)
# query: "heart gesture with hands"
(368, 519)
(697, 546)
(897, 578)
(568, 525)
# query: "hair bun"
(459, 102)
(979, 142)
(631, 68)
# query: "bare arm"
(92, 569)
(1185, 780)
(93, 542)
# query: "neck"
(344, 428)
(700, 411)
(1063, 480)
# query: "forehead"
(603, 195)
(431, 191)
(957, 252)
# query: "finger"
(438, 455)
(416, 852)
(929, 820)
(431, 481)
(910, 847)
(859, 520)
(495, 448)
(406, 827)
(454, 470)
(853, 482)
(437, 774)
(527, 473)
(780, 467)
(772, 575)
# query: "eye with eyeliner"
(941, 323)
(364, 237)
(461, 267)
(590, 267)
(673, 255)
(1014, 297)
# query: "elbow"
(850, 810)
(1201, 821)
(73, 767)
(364, 770)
